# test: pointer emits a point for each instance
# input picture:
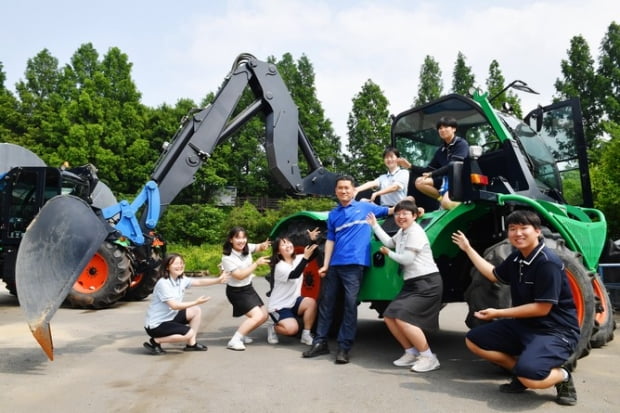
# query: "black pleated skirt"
(418, 302)
(243, 299)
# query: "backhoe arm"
(201, 131)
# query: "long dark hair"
(227, 247)
(276, 257)
(163, 269)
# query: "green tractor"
(539, 163)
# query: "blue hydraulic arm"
(128, 223)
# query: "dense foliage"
(369, 132)
(198, 231)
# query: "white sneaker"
(247, 340)
(236, 345)
(406, 360)
(272, 337)
(306, 339)
(424, 364)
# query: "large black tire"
(482, 295)
(296, 231)
(580, 282)
(145, 274)
(104, 281)
(604, 323)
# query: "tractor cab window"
(541, 161)
(415, 134)
(560, 127)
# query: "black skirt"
(418, 302)
(243, 299)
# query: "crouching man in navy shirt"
(535, 337)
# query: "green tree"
(369, 132)
(88, 112)
(605, 172)
(11, 122)
(40, 101)
(605, 178)
(106, 119)
(431, 85)
(495, 84)
(609, 73)
(580, 80)
(463, 78)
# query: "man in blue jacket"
(347, 254)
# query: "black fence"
(261, 203)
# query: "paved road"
(100, 366)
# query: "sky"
(184, 49)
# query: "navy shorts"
(290, 312)
(538, 353)
(441, 183)
(178, 325)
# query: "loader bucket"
(55, 248)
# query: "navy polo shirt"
(540, 277)
(457, 150)
(348, 229)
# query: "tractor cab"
(541, 158)
(24, 190)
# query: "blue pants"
(537, 352)
(350, 278)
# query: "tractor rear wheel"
(104, 281)
(482, 293)
(604, 322)
(580, 283)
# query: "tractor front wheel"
(104, 281)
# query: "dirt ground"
(101, 366)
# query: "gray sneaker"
(236, 345)
(272, 337)
(306, 339)
(424, 364)
(406, 360)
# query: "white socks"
(412, 350)
(427, 353)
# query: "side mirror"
(537, 114)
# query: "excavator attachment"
(55, 248)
